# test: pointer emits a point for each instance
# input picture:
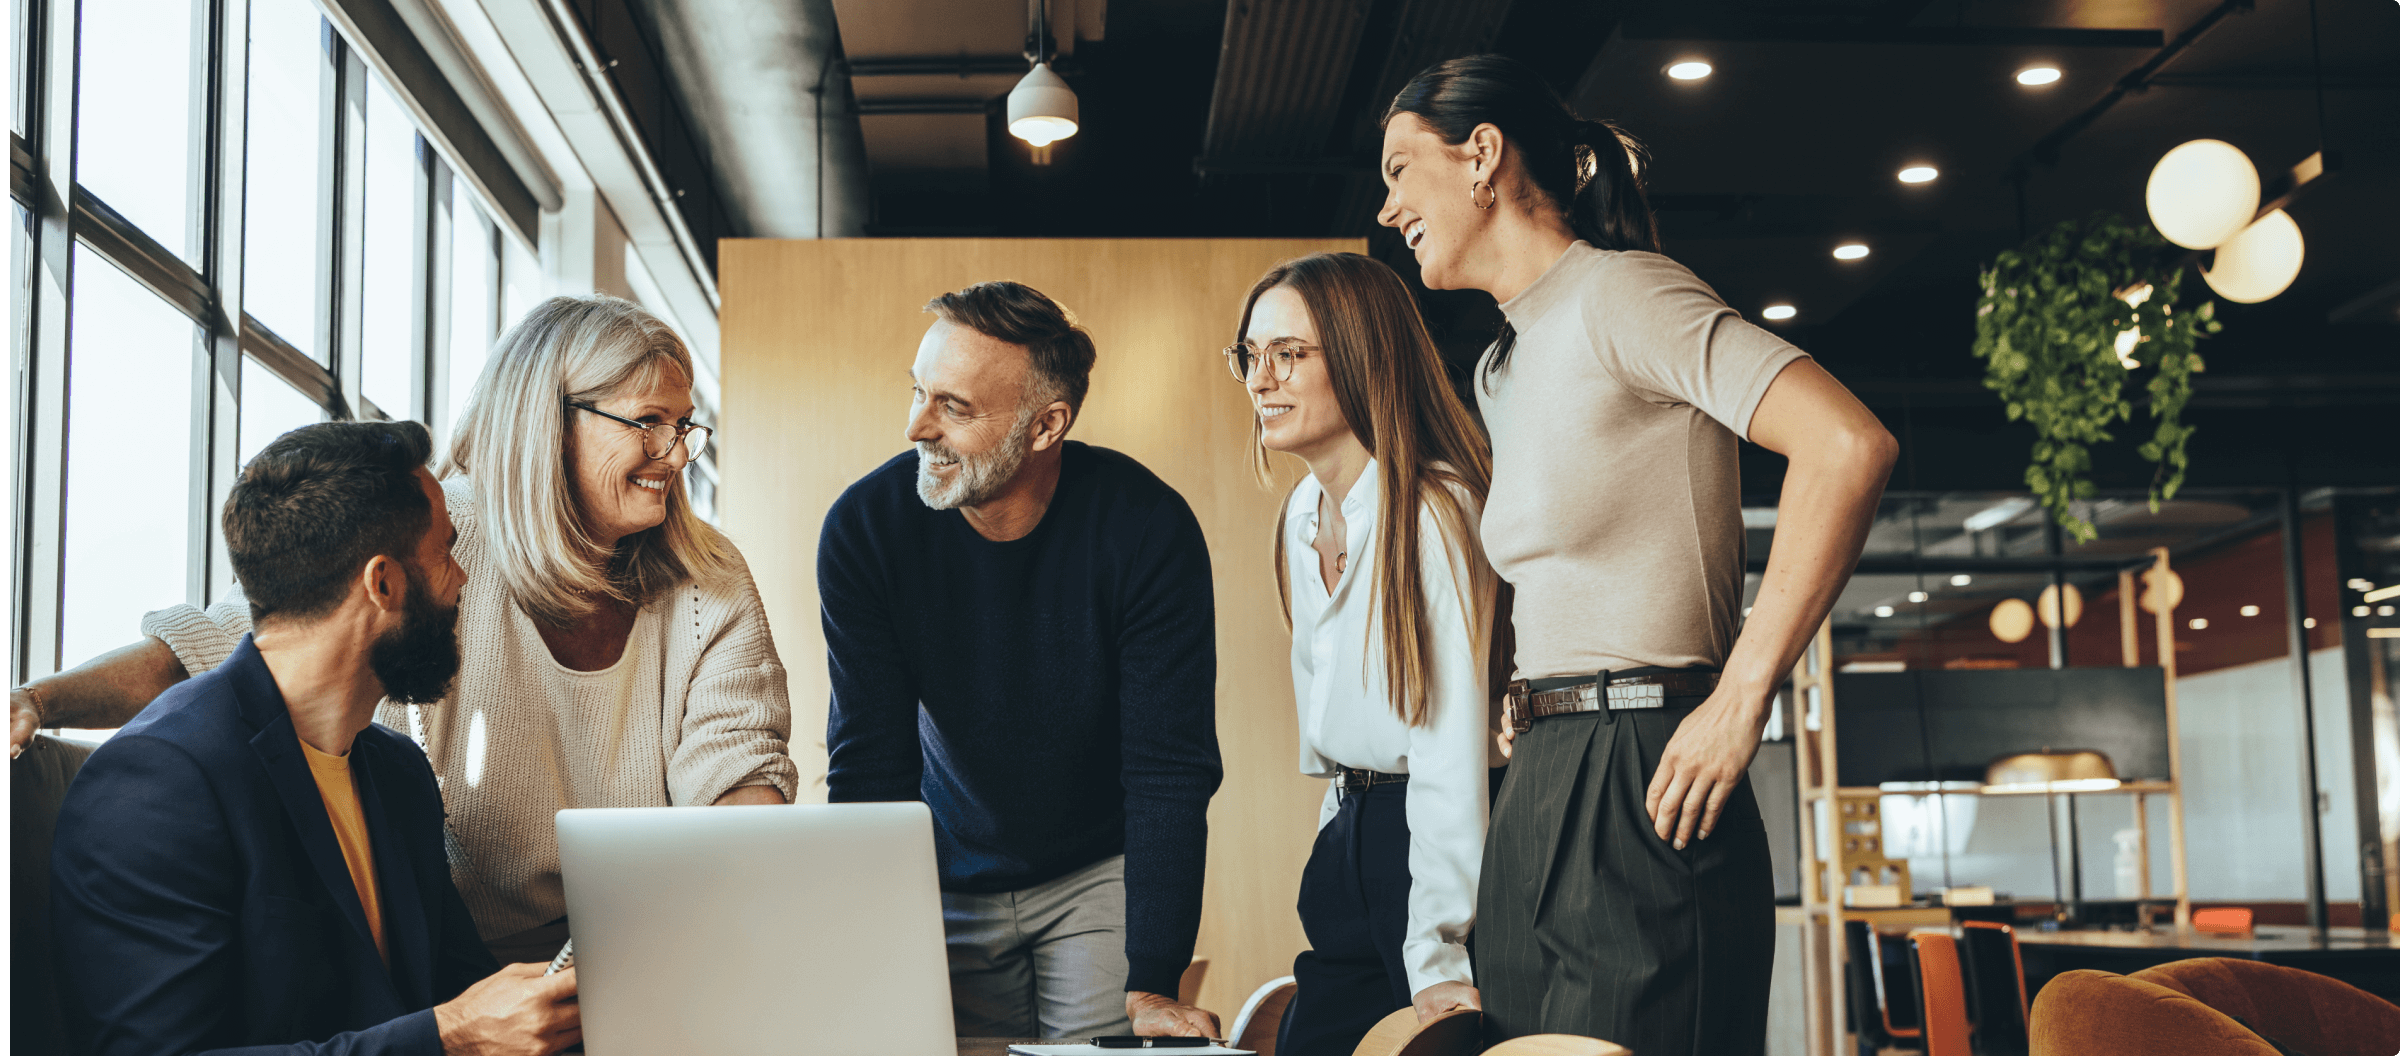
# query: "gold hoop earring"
(1475, 195)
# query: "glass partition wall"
(229, 225)
(1958, 582)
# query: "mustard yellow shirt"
(339, 788)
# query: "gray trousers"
(1587, 923)
(1047, 961)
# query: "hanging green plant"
(2052, 329)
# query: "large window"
(257, 236)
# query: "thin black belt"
(1571, 694)
(1353, 781)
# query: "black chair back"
(1995, 979)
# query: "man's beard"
(416, 660)
(979, 477)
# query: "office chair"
(1935, 957)
(1557, 1045)
(1995, 972)
(1458, 1032)
(1261, 1017)
(1883, 1004)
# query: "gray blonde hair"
(512, 444)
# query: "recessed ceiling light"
(2249, 610)
(2037, 75)
(1961, 579)
(1849, 251)
(1690, 70)
(2199, 623)
(1883, 610)
(1778, 312)
(1919, 174)
(1918, 596)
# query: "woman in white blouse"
(614, 651)
(1390, 602)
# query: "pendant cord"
(2316, 55)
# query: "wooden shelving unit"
(1833, 842)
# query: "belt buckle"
(1516, 706)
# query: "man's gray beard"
(979, 476)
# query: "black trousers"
(1354, 907)
(1588, 923)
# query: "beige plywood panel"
(818, 338)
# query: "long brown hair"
(1391, 387)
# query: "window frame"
(210, 292)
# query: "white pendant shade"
(2258, 263)
(1042, 110)
(2202, 193)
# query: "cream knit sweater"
(520, 738)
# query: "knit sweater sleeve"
(737, 714)
(1167, 657)
(873, 750)
(201, 638)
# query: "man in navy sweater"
(249, 864)
(1022, 634)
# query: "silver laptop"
(758, 930)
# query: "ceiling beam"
(962, 66)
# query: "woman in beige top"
(614, 651)
(1627, 891)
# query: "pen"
(1128, 1041)
(564, 960)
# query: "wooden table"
(999, 1046)
(2364, 959)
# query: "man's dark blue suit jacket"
(201, 902)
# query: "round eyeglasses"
(658, 440)
(1243, 358)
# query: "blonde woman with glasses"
(614, 650)
(1391, 608)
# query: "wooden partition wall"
(818, 337)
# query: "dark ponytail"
(1592, 171)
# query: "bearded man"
(1022, 634)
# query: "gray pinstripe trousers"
(1588, 923)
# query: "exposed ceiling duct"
(766, 85)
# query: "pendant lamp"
(2259, 262)
(1042, 110)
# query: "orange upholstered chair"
(2303, 1011)
(1944, 989)
(2092, 1013)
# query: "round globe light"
(1849, 251)
(2036, 76)
(2202, 193)
(2048, 605)
(2012, 620)
(1041, 109)
(1919, 174)
(1778, 312)
(2258, 263)
(1690, 70)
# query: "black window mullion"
(329, 188)
(217, 440)
(431, 237)
(350, 229)
(38, 551)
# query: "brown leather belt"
(1573, 694)
(1353, 781)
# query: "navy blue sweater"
(1052, 698)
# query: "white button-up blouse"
(1346, 716)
